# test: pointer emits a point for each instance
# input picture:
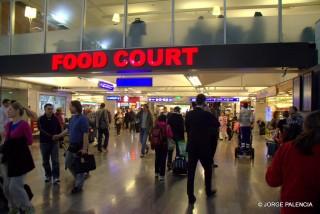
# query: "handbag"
(84, 163)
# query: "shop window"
(28, 27)
(299, 20)
(250, 21)
(149, 23)
(104, 25)
(64, 25)
(4, 27)
(199, 22)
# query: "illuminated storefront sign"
(106, 85)
(114, 98)
(219, 99)
(135, 82)
(160, 99)
(122, 59)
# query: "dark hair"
(162, 118)
(177, 109)
(48, 105)
(102, 105)
(5, 101)
(77, 105)
(294, 108)
(245, 105)
(310, 135)
(285, 114)
(201, 99)
(18, 107)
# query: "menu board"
(307, 92)
(297, 92)
(56, 101)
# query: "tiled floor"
(124, 183)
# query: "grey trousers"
(79, 177)
(13, 189)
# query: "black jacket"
(48, 127)
(202, 128)
(17, 157)
(176, 123)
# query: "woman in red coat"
(296, 168)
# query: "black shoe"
(211, 193)
(76, 190)
(147, 150)
(192, 200)
(215, 166)
(99, 150)
(47, 180)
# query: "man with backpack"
(103, 120)
(202, 129)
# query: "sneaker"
(157, 175)
(161, 178)
(192, 200)
(47, 179)
(30, 210)
(56, 181)
(76, 190)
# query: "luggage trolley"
(243, 148)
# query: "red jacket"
(299, 178)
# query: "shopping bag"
(84, 163)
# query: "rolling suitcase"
(180, 166)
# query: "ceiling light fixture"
(30, 13)
(216, 11)
(194, 80)
(116, 18)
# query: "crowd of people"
(195, 136)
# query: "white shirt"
(3, 118)
(246, 118)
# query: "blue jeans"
(79, 177)
(245, 133)
(50, 151)
(143, 139)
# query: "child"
(161, 145)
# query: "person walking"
(59, 114)
(17, 160)
(223, 120)
(118, 119)
(146, 124)
(49, 126)
(78, 136)
(246, 123)
(294, 123)
(103, 121)
(161, 149)
(126, 119)
(295, 168)
(132, 120)
(201, 131)
(4, 119)
(176, 123)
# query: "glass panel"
(28, 27)
(149, 23)
(4, 27)
(299, 18)
(104, 25)
(250, 21)
(199, 22)
(64, 25)
(318, 39)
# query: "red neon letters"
(155, 57)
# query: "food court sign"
(125, 59)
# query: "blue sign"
(114, 98)
(135, 82)
(106, 86)
(160, 99)
(219, 99)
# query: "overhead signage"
(268, 92)
(135, 82)
(114, 98)
(219, 99)
(160, 99)
(105, 85)
(122, 59)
